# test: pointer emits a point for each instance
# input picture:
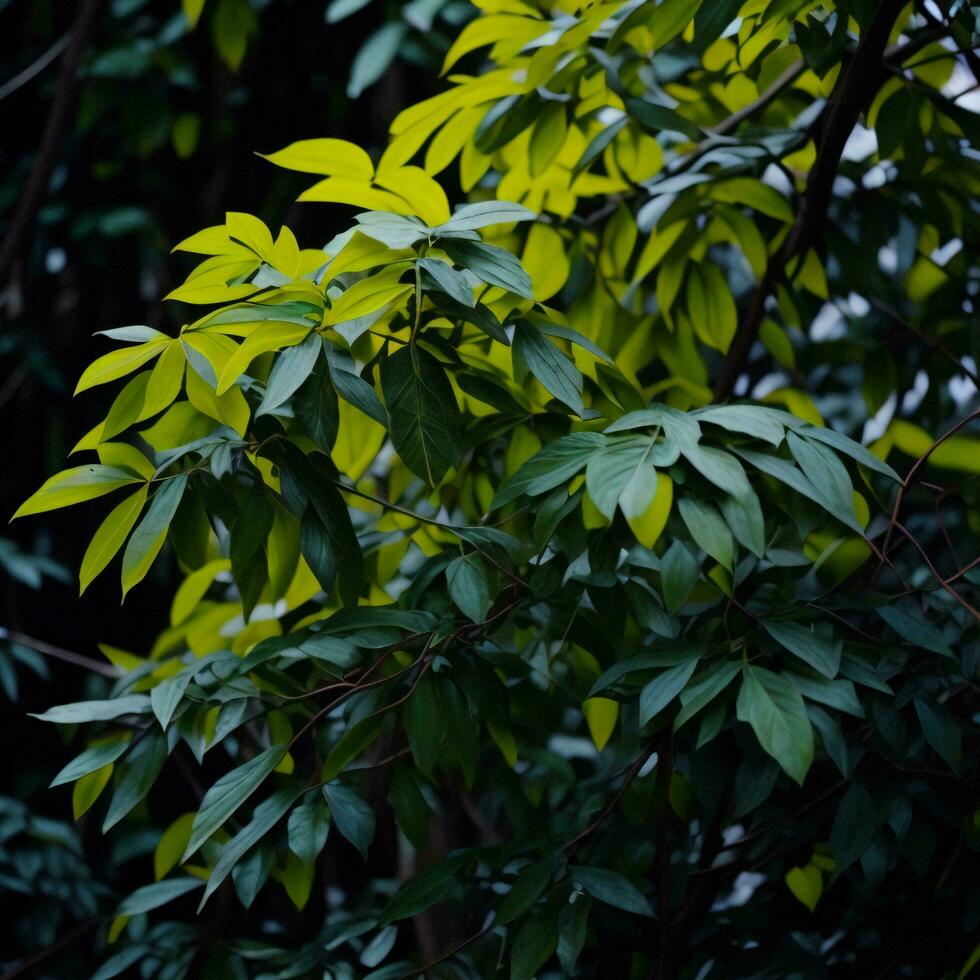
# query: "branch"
(59, 653)
(857, 84)
(59, 119)
(35, 68)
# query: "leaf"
(828, 477)
(774, 708)
(494, 266)
(533, 945)
(466, 577)
(469, 217)
(760, 423)
(309, 825)
(678, 575)
(912, 627)
(552, 466)
(74, 486)
(941, 730)
(623, 474)
(167, 694)
(151, 897)
(710, 532)
(806, 884)
(100, 753)
(330, 157)
(109, 538)
(247, 547)
(88, 789)
(854, 826)
(706, 687)
(557, 373)
(291, 369)
(118, 363)
(612, 888)
(265, 816)
(419, 893)
(374, 57)
(171, 845)
(663, 689)
(229, 793)
(351, 815)
(449, 280)
(135, 777)
(424, 416)
(822, 655)
(600, 715)
(84, 711)
(151, 532)
(424, 724)
(526, 889)
(351, 744)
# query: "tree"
(519, 555)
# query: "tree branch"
(59, 119)
(856, 86)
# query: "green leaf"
(291, 369)
(849, 447)
(374, 57)
(424, 723)
(492, 265)
(657, 118)
(424, 417)
(97, 755)
(612, 888)
(466, 577)
(744, 516)
(351, 744)
(829, 478)
(838, 694)
(229, 793)
(265, 816)
(663, 689)
(135, 777)
(351, 815)
(526, 889)
(941, 730)
(854, 826)
(151, 532)
(75, 486)
(710, 532)
(573, 923)
(309, 825)
(451, 281)
(469, 217)
(774, 708)
(678, 575)
(706, 687)
(109, 538)
(247, 546)
(552, 466)
(557, 373)
(912, 627)
(822, 655)
(533, 945)
(755, 421)
(419, 893)
(83, 711)
(623, 474)
(151, 897)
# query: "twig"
(59, 653)
(790, 75)
(66, 940)
(36, 67)
(939, 578)
(59, 118)
(857, 84)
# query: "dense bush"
(544, 607)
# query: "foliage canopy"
(522, 543)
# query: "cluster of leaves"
(468, 533)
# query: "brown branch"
(855, 88)
(939, 578)
(59, 653)
(67, 939)
(913, 473)
(58, 121)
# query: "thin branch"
(790, 75)
(35, 68)
(939, 578)
(59, 119)
(59, 944)
(59, 653)
(856, 86)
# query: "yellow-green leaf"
(601, 715)
(74, 486)
(109, 538)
